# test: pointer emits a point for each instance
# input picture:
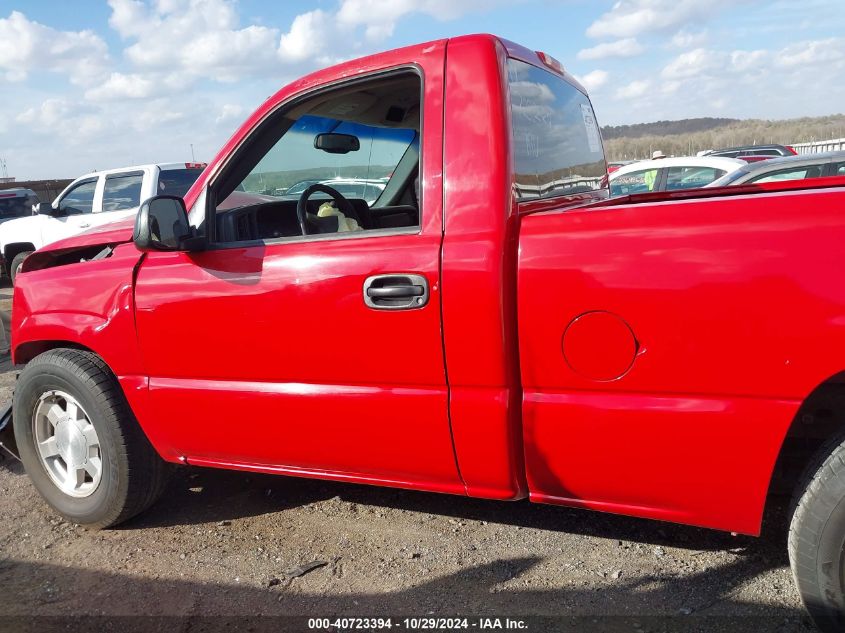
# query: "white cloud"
(594, 80)
(746, 61)
(120, 86)
(305, 39)
(201, 38)
(229, 112)
(27, 46)
(633, 90)
(802, 79)
(689, 39)
(813, 52)
(693, 63)
(379, 18)
(629, 47)
(629, 18)
(62, 118)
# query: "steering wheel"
(302, 206)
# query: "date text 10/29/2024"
(416, 624)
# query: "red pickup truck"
(491, 325)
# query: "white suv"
(92, 200)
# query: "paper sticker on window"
(593, 137)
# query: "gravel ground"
(229, 544)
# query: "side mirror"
(162, 225)
(44, 208)
(334, 143)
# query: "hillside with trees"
(688, 136)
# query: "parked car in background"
(752, 150)
(613, 166)
(671, 174)
(360, 188)
(91, 200)
(17, 202)
(787, 168)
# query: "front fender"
(89, 304)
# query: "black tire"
(17, 260)
(133, 475)
(817, 537)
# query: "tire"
(17, 261)
(817, 537)
(125, 472)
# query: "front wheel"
(79, 442)
(817, 538)
(17, 263)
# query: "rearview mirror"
(162, 225)
(337, 143)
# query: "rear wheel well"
(25, 352)
(820, 417)
(12, 250)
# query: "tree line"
(689, 136)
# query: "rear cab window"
(176, 182)
(122, 191)
(556, 144)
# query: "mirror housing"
(44, 208)
(162, 225)
(334, 143)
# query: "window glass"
(176, 182)
(839, 169)
(15, 207)
(691, 177)
(641, 181)
(80, 199)
(557, 147)
(794, 173)
(293, 163)
(122, 191)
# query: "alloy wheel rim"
(67, 444)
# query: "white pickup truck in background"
(91, 200)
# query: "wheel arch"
(25, 352)
(820, 417)
(10, 251)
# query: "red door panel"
(267, 355)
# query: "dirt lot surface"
(228, 544)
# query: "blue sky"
(96, 84)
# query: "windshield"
(176, 182)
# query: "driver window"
(344, 161)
